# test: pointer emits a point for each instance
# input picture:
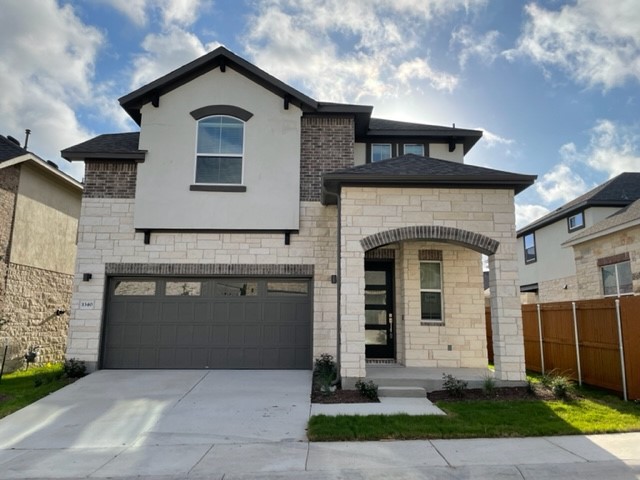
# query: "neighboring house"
(547, 269)
(249, 226)
(39, 211)
(607, 255)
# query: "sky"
(554, 85)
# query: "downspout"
(338, 378)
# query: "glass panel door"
(378, 309)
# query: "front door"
(378, 309)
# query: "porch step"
(404, 392)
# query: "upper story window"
(220, 149)
(575, 222)
(529, 241)
(380, 151)
(617, 279)
(415, 148)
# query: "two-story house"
(39, 211)
(546, 265)
(248, 225)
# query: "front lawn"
(591, 412)
(23, 387)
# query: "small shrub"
(561, 386)
(531, 387)
(74, 368)
(453, 385)
(30, 356)
(546, 379)
(367, 389)
(325, 365)
(489, 386)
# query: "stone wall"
(327, 144)
(32, 297)
(555, 290)
(9, 181)
(110, 179)
(587, 254)
(107, 236)
(460, 341)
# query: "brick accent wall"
(327, 144)
(110, 179)
(9, 180)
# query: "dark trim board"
(209, 269)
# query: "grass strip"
(23, 387)
(486, 419)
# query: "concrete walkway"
(246, 425)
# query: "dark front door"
(378, 309)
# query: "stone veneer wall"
(588, 253)
(32, 297)
(107, 236)
(370, 210)
(555, 291)
(461, 340)
(9, 181)
(116, 179)
(327, 144)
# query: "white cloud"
(490, 139)
(164, 52)
(301, 40)
(527, 213)
(560, 184)
(171, 12)
(135, 10)
(613, 148)
(47, 60)
(484, 47)
(596, 43)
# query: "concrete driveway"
(166, 422)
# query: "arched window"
(219, 151)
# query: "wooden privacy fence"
(586, 340)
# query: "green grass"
(594, 413)
(22, 388)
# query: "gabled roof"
(109, 145)
(220, 57)
(9, 149)
(381, 128)
(616, 192)
(626, 217)
(414, 170)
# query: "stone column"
(506, 313)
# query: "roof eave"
(468, 138)
(586, 237)
(138, 156)
(43, 165)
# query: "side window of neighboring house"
(380, 151)
(617, 279)
(529, 241)
(575, 222)
(415, 148)
(431, 292)
(219, 150)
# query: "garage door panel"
(241, 324)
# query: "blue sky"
(554, 84)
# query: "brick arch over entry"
(474, 241)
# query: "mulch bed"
(340, 396)
(539, 392)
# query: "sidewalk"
(610, 457)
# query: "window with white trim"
(219, 150)
(431, 292)
(415, 148)
(575, 222)
(617, 279)
(380, 151)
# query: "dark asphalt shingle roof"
(616, 192)
(626, 215)
(383, 124)
(106, 144)
(9, 150)
(416, 170)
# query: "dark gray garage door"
(208, 323)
